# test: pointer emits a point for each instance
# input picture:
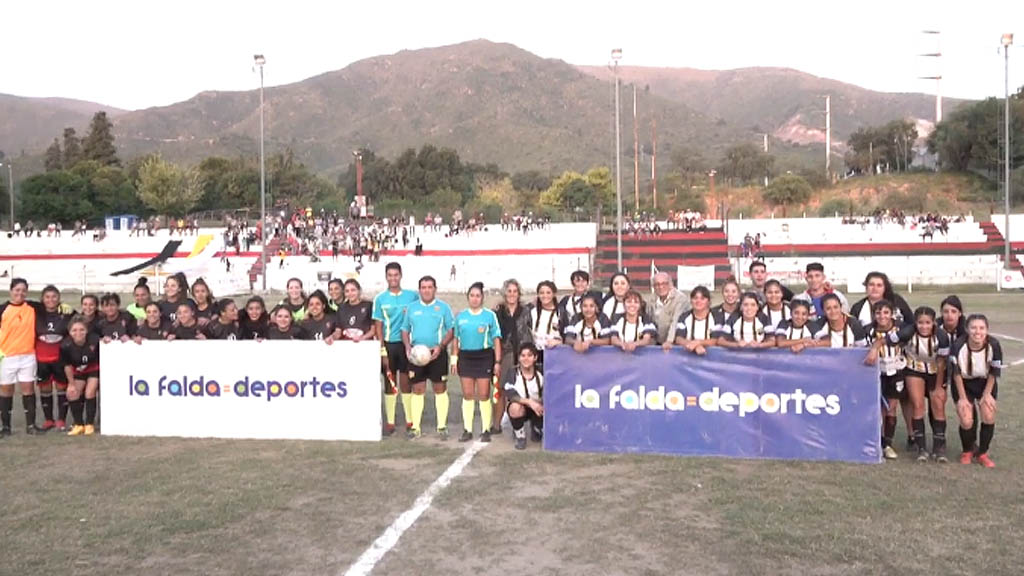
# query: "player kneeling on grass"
(632, 329)
(429, 322)
(888, 355)
(524, 394)
(80, 354)
(477, 359)
(977, 362)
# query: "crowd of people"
(52, 352)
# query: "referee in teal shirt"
(389, 314)
(477, 360)
(429, 322)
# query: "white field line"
(383, 544)
(1006, 337)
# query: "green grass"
(109, 505)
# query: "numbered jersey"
(354, 319)
(146, 332)
(84, 359)
(122, 325)
(319, 329)
(51, 329)
(217, 330)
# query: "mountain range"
(492, 102)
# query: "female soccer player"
(524, 393)
(51, 329)
(588, 328)
(730, 298)
(186, 327)
(633, 329)
(926, 347)
(80, 354)
(569, 306)
(255, 321)
(887, 353)
(977, 364)
(114, 323)
(282, 325)
(544, 318)
(336, 293)
(614, 302)
(747, 328)
(206, 306)
(477, 359)
(175, 294)
(798, 332)
(142, 297)
(295, 302)
(318, 324)
(18, 361)
(90, 311)
(878, 288)
(225, 326)
(355, 315)
(953, 321)
(154, 327)
(775, 310)
(701, 327)
(839, 330)
(516, 330)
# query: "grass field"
(106, 505)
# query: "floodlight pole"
(260, 61)
(1007, 42)
(616, 56)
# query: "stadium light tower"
(260, 61)
(937, 76)
(1007, 41)
(10, 188)
(616, 56)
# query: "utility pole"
(766, 166)
(1007, 42)
(828, 137)
(260, 61)
(616, 56)
(636, 157)
(654, 161)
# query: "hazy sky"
(143, 53)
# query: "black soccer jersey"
(252, 329)
(217, 330)
(923, 353)
(83, 358)
(210, 311)
(294, 332)
(318, 329)
(355, 319)
(977, 364)
(159, 333)
(124, 325)
(169, 310)
(185, 332)
(890, 355)
(571, 305)
(901, 312)
(579, 329)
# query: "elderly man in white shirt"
(668, 305)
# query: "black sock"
(889, 423)
(987, 431)
(517, 423)
(917, 426)
(6, 404)
(62, 405)
(46, 399)
(967, 438)
(76, 410)
(939, 436)
(28, 403)
(538, 423)
(90, 411)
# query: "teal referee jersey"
(428, 323)
(477, 331)
(390, 309)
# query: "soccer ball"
(419, 355)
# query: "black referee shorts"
(397, 362)
(436, 371)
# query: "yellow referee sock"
(485, 415)
(417, 402)
(441, 405)
(390, 402)
(468, 410)
(407, 406)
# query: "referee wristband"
(455, 359)
(383, 352)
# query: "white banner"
(242, 389)
(689, 277)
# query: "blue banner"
(821, 404)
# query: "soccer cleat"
(408, 426)
(521, 443)
(411, 434)
(485, 436)
(966, 457)
(442, 434)
(536, 435)
(31, 430)
(48, 425)
(889, 453)
(389, 430)
(496, 430)
(922, 455)
(467, 436)
(941, 458)
(985, 461)
(62, 425)
(910, 444)
(76, 430)
(90, 429)
(5, 433)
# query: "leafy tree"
(53, 161)
(167, 189)
(888, 145)
(498, 192)
(72, 148)
(531, 180)
(691, 165)
(55, 197)
(99, 142)
(746, 162)
(572, 191)
(788, 190)
(971, 137)
(109, 190)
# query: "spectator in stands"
(758, 279)
(817, 288)
(668, 307)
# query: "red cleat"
(985, 461)
(47, 425)
(966, 457)
(62, 425)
